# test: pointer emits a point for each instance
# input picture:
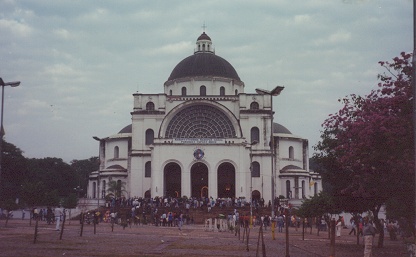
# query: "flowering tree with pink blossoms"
(367, 149)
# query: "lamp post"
(4, 84)
(275, 92)
(251, 180)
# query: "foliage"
(70, 202)
(116, 188)
(83, 169)
(40, 181)
(13, 173)
(322, 204)
(367, 147)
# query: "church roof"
(204, 36)
(126, 129)
(204, 65)
(278, 128)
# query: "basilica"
(204, 136)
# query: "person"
(280, 222)
(58, 214)
(353, 230)
(338, 226)
(368, 232)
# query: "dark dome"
(203, 64)
(126, 129)
(277, 128)
(204, 36)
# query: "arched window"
(203, 47)
(150, 135)
(291, 153)
(254, 106)
(119, 188)
(116, 152)
(255, 169)
(184, 91)
(150, 106)
(288, 191)
(170, 92)
(236, 92)
(303, 189)
(222, 90)
(148, 170)
(255, 134)
(203, 91)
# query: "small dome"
(126, 129)
(277, 128)
(204, 36)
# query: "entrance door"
(226, 180)
(199, 180)
(172, 178)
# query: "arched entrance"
(147, 194)
(199, 180)
(256, 195)
(226, 180)
(172, 178)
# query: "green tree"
(116, 188)
(14, 169)
(83, 169)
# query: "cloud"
(338, 37)
(15, 28)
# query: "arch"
(183, 91)
(116, 152)
(150, 106)
(226, 180)
(254, 106)
(147, 194)
(236, 92)
(222, 91)
(254, 134)
(150, 135)
(288, 191)
(148, 169)
(291, 153)
(199, 180)
(255, 195)
(203, 90)
(255, 170)
(200, 121)
(172, 180)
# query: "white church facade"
(204, 136)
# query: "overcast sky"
(79, 62)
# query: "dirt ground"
(17, 239)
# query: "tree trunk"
(379, 226)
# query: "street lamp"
(3, 84)
(275, 92)
(251, 180)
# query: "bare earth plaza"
(193, 240)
